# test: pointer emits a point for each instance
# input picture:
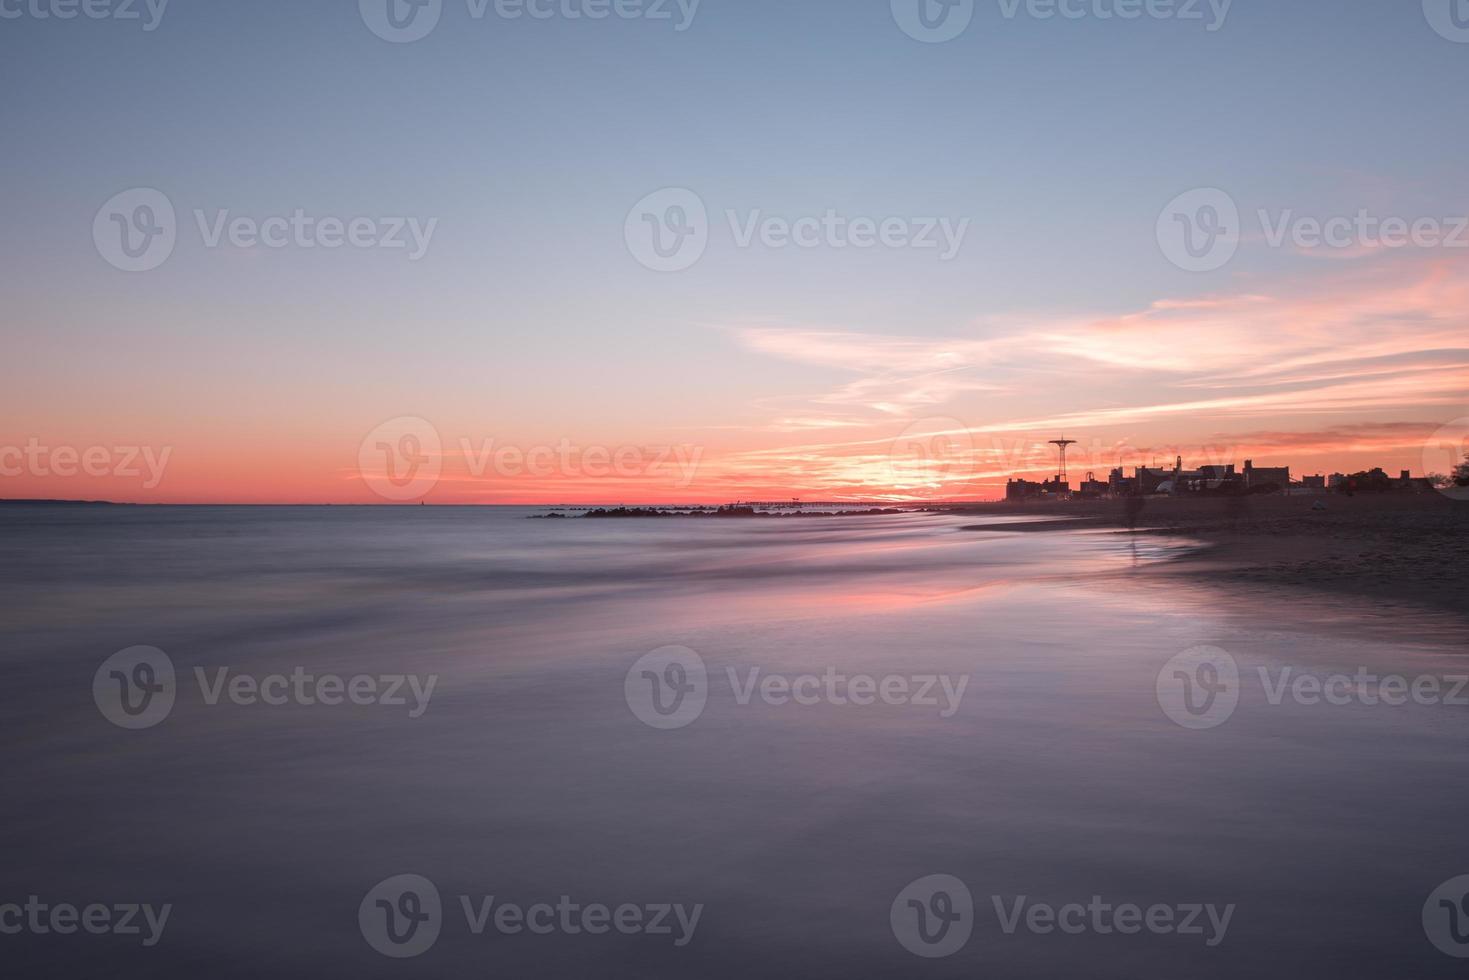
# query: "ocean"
(362, 742)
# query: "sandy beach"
(1398, 547)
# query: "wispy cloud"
(1343, 345)
(1379, 355)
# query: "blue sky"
(1058, 140)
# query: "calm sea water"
(529, 775)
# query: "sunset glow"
(1343, 367)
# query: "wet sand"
(1398, 547)
(795, 825)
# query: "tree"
(1461, 473)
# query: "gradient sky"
(822, 373)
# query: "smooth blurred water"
(528, 777)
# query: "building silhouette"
(1212, 480)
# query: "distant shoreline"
(872, 507)
(24, 502)
(1398, 547)
(715, 513)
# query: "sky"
(512, 251)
